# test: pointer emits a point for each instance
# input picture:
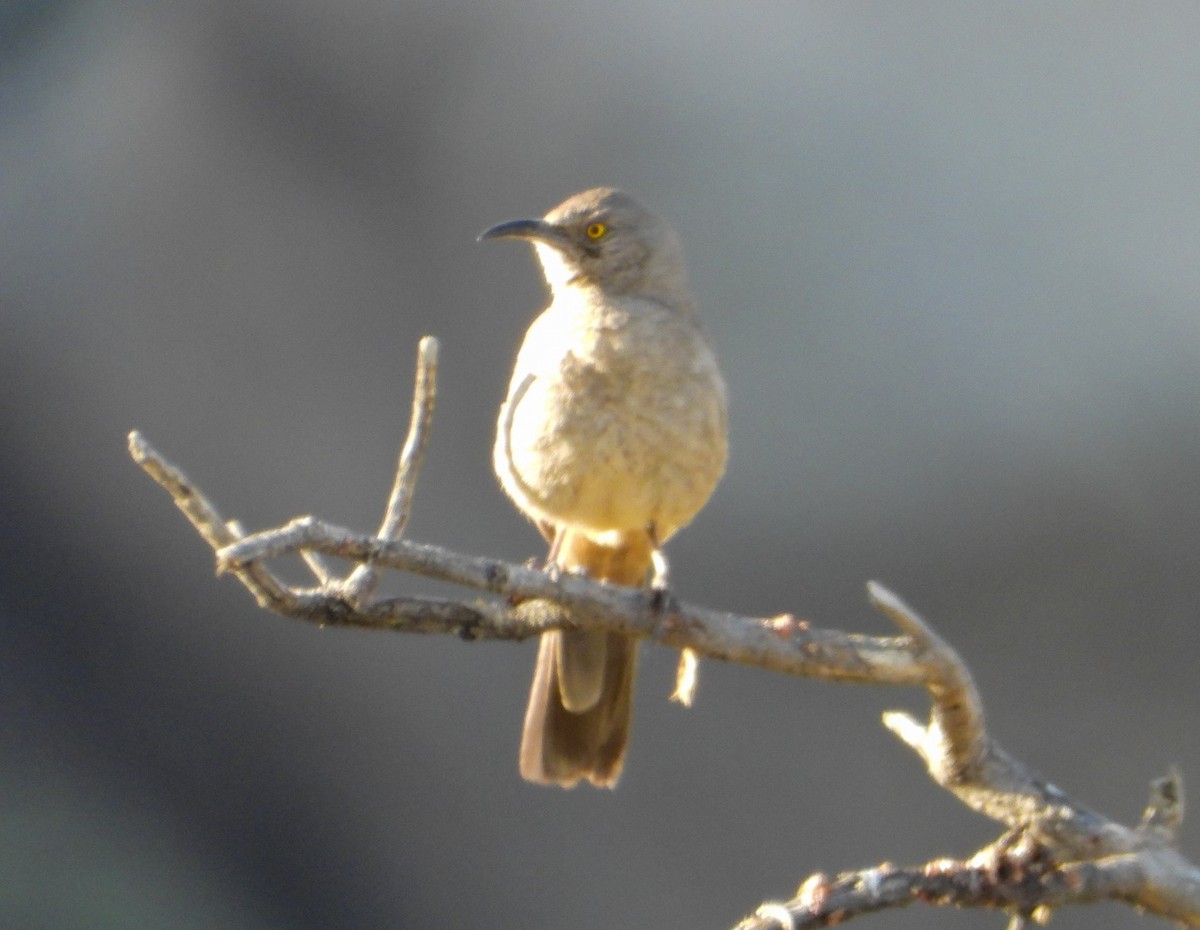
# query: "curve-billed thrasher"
(612, 437)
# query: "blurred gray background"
(950, 254)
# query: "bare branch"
(266, 588)
(954, 740)
(1056, 851)
(1027, 883)
(779, 643)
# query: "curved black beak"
(533, 230)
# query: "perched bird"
(611, 438)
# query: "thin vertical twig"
(360, 585)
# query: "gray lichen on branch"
(1055, 851)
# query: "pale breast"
(615, 420)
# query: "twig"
(266, 588)
(1164, 812)
(362, 582)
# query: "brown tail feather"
(594, 670)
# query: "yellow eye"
(596, 230)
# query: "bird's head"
(603, 238)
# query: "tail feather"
(581, 703)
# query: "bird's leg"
(555, 537)
(687, 672)
(660, 576)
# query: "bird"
(612, 436)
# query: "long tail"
(581, 703)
